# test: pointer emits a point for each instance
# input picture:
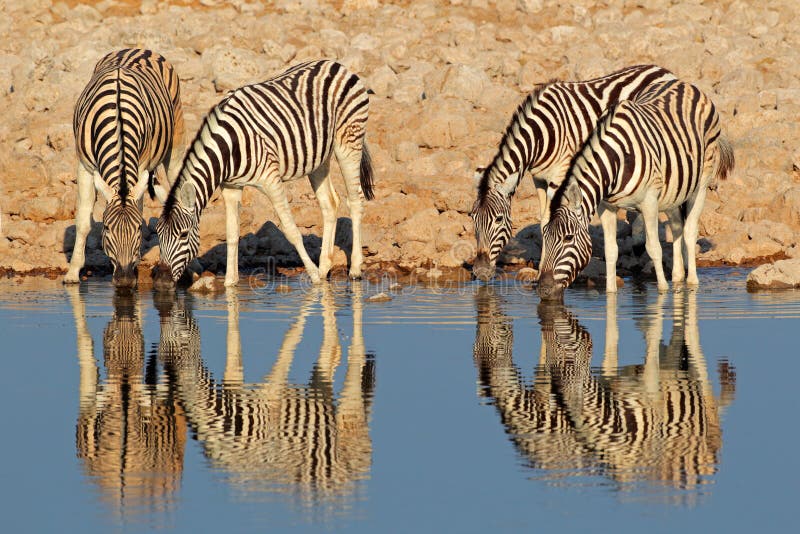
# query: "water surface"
(459, 409)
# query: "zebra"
(658, 422)
(263, 135)
(130, 435)
(544, 133)
(274, 434)
(128, 121)
(658, 152)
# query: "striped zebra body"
(263, 135)
(128, 121)
(544, 134)
(275, 434)
(657, 153)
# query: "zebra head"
(566, 249)
(178, 231)
(122, 239)
(491, 214)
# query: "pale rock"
(382, 81)
(234, 67)
(422, 226)
(444, 123)
(782, 274)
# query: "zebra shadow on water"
(653, 426)
(130, 434)
(306, 440)
(268, 248)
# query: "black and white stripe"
(547, 129)
(130, 434)
(274, 434)
(127, 121)
(263, 135)
(658, 421)
(656, 153)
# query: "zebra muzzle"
(548, 288)
(162, 278)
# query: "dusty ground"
(446, 78)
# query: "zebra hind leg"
(350, 162)
(694, 209)
(83, 223)
(676, 218)
(329, 204)
(276, 192)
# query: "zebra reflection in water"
(130, 433)
(655, 423)
(277, 436)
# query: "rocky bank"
(446, 76)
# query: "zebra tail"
(367, 179)
(150, 189)
(726, 159)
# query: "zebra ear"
(478, 175)
(572, 194)
(141, 186)
(104, 188)
(509, 185)
(186, 195)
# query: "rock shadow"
(268, 248)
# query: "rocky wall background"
(446, 77)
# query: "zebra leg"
(276, 192)
(234, 370)
(676, 225)
(608, 219)
(649, 209)
(83, 223)
(328, 203)
(233, 197)
(694, 209)
(653, 329)
(350, 165)
(611, 351)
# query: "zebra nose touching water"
(544, 133)
(264, 135)
(656, 153)
(128, 121)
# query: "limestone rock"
(779, 275)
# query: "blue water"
(443, 410)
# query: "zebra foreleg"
(649, 209)
(277, 195)
(329, 204)
(608, 219)
(233, 197)
(83, 223)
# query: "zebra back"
(284, 127)
(552, 123)
(128, 118)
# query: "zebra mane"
(528, 104)
(172, 197)
(558, 196)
